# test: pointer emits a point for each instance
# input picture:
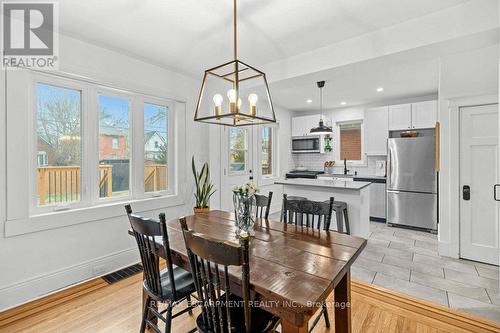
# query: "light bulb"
(231, 94)
(252, 99)
(218, 99)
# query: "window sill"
(75, 216)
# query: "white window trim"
(338, 161)
(20, 218)
(269, 179)
(246, 150)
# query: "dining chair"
(308, 213)
(223, 311)
(171, 285)
(262, 202)
(312, 214)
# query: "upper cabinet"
(376, 131)
(413, 116)
(424, 114)
(301, 126)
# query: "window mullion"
(137, 147)
(91, 146)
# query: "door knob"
(466, 192)
(251, 174)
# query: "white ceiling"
(192, 35)
(356, 84)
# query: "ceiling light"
(380, 89)
(321, 129)
(343, 103)
(309, 101)
(234, 93)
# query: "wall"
(38, 263)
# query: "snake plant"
(204, 188)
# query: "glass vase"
(244, 211)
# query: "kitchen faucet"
(345, 167)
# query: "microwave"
(307, 144)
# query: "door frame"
(449, 175)
(460, 168)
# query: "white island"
(355, 194)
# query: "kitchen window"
(238, 150)
(350, 142)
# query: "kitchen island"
(355, 194)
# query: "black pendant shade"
(321, 129)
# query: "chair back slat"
(209, 259)
(146, 231)
(263, 205)
(308, 213)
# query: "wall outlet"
(99, 270)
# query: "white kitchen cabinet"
(412, 116)
(424, 114)
(376, 130)
(377, 200)
(399, 117)
(301, 126)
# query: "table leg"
(288, 327)
(152, 304)
(342, 299)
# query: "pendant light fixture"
(234, 93)
(321, 129)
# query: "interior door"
(237, 161)
(478, 173)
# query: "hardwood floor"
(116, 308)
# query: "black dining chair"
(171, 285)
(314, 214)
(263, 205)
(223, 311)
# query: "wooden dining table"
(293, 269)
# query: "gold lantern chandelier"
(234, 93)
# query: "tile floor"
(407, 261)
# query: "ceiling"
(192, 35)
(356, 84)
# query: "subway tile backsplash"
(315, 162)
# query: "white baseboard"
(445, 249)
(43, 285)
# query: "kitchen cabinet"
(376, 131)
(412, 116)
(377, 200)
(424, 114)
(301, 126)
(399, 117)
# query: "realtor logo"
(30, 38)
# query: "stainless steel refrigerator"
(412, 182)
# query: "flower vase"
(244, 211)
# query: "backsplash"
(315, 162)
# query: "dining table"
(293, 269)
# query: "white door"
(424, 114)
(478, 174)
(399, 117)
(237, 161)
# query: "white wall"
(468, 78)
(38, 263)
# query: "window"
(238, 151)
(267, 151)
(155, 147)
(114, 163)
(59, 147)
(350, 141)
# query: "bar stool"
(340, 208)
(290, 198)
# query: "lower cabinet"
(377, 201)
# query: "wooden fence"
(62, 183)
(155, 177)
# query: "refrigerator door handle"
(389, 168)
(495, 187)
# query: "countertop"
(369, 178)
(338, 184)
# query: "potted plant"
(204, 188)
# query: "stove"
(303, 174)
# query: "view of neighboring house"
(113, 143)
(154, 146)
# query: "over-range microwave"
(307, 144)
